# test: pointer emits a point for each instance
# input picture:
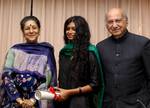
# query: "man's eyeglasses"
(116, 21)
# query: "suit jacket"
(126, 71)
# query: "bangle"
(80, 90)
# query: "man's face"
(116, 23)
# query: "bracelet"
(80, 90)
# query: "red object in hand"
(56, 96)
(51, 89)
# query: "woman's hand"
(64, 94)
(19, 101)
(28, 103)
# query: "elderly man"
(125, 60)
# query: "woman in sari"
(28, 66)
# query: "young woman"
(80, 75)
(28, 66)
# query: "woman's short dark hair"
(27, 18)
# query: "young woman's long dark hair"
(81, 41)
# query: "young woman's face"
(70, 31)
(31, 31)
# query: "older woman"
(28, 66)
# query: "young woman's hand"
(64, 94)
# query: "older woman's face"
(70, 31)
(31, 31)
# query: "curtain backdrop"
(53, 13)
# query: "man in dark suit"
(126, 64)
